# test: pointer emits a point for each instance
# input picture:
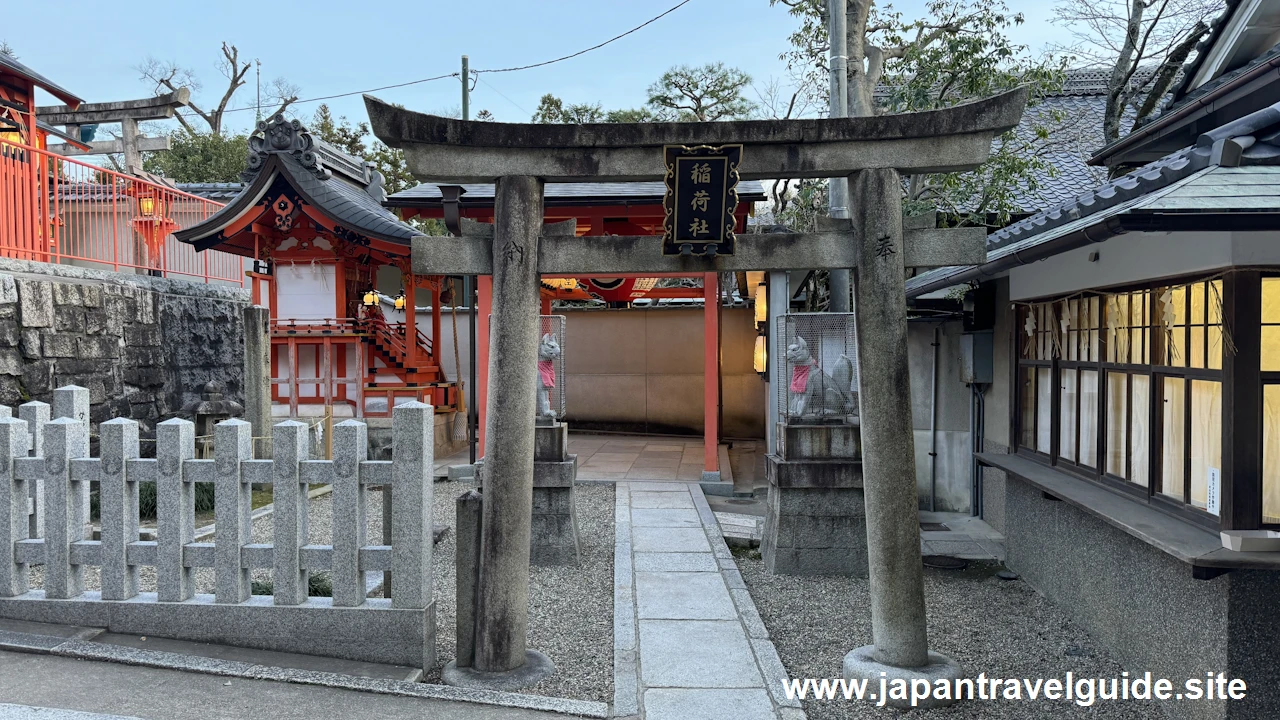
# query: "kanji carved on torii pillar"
(872, 152)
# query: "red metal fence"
(59, 210)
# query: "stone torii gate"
(873, 152)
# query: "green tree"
(200, 156)
(340, 133)
(634, 115)
(702, 94)
(552, 110)
(356, 139)
(959, 51)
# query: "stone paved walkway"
(688, 641)
(636, 457)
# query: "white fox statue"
(548, 351)
(813, 393)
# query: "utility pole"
(466, 88)
(471, 286)
(838, 189)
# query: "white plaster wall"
(1138, 257)
(953, 405)
(305, 291)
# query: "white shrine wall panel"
(306, 291)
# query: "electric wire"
(476, 73)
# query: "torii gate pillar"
(502, 594)
(900, 648)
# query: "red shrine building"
(310, 219)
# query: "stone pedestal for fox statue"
(814, 518)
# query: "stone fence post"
(65, 439)
(35, 414)
(175, 508)
(14, 440)
(412, 458)
(118, 503)
(232, 508)
(350, 448)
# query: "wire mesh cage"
(817, 356)
(551, 368)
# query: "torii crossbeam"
(873, 152)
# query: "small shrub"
(318, 585)
(147, 500)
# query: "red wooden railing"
(373, 399)
(59, 210)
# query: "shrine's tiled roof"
(345, 189)
(10, 64)
(1194, 179)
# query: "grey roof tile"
(1213, 85)
(10, 63)
(308, 165)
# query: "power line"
(354, 92)
(615, 38)
(504, 97)
(593, 47)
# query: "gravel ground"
(1003, 628)
(570, 608)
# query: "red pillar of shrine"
(484, 305)
(711, 371)
(410, 324)
(435, 322)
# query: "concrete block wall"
(399, 630)
(1145, 606)
(143, 346)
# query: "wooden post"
(711, 372)
(410, 330)
(435, 322)
(484, 306)
(1242, 402)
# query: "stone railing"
(349, 625)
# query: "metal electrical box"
(977, 357)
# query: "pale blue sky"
(325, 48)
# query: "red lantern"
(153, 226)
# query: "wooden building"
(1124, 349)
(310, 218)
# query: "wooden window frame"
(1154, 340)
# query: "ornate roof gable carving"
(278, 136)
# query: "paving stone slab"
(649, 517)
(696, 654)
(675, 562)
(651, 539)
(659, 486)
(683, 596)
(641, 499)
(680, 704)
